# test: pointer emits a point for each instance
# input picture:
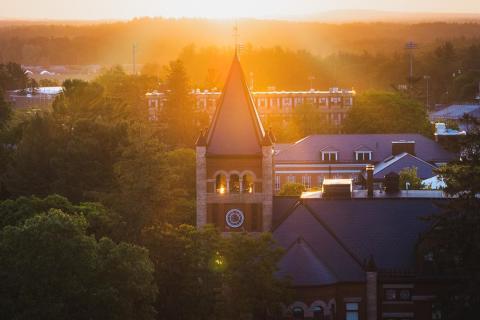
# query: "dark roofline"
(324, 225)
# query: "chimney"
(370, 168)
(402, 146)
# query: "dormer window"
(329, 156)
(363, 155)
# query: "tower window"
(234, 183)
(221, 183)
(248, 184)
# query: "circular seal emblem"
(234, 218)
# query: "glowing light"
(250, 190)
(221, 190)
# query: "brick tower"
(235, 163)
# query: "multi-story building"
(350, 254)
(338, 156)
(334, 103)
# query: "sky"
(223, 9)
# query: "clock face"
(234, 218)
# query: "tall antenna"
(134, 51)
(235, 37)
(410, 46)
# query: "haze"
(121, 9)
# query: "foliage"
(409, 175)
(186, 273)
(386, 112)
(292, 189)
(254, 259)
(101, 221)
(206, 272)
(50, 269)
(305, 120)
(48, 83)
(180, 117)
(454, 240)
(12, 77)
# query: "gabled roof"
(308, 149)
(301, 263)
(456, 112)
(342, 232)
(236, 128)
(326, 249)
(401, 161)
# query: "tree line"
(97, 213)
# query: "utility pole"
(410, 46)
(134, 51)
(427, 78)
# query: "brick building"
(352, 255)
(333, 104)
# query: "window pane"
(351, 306)
(352, 315)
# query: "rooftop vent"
(337, 188)
(402, 146)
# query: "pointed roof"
(304, 266)
(236, 128)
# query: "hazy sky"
(126, 9)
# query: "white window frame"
(363, 152)
(291, 179)
(277, 183)
(307, 181)
(329, 155)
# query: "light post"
(427, 78)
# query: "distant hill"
(349, 16)
(160, 40)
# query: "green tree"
(292, 189)
(387, 112)
(180, 117)
(101, 221)
(454, 241)
(187, 271)
(409, 175)
(50, 269)
(255, 259)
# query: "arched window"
(248, 184)
(234, 183)
(221, 183)
(298, 313)
(318, 313)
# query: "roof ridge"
(258, 127)
(334, 235)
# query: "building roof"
(308, 149)
(236, 128)
(343, 234)
(456, 112)
(401, 161)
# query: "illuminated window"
(234, 183)
(248, 183)
(221, 183)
